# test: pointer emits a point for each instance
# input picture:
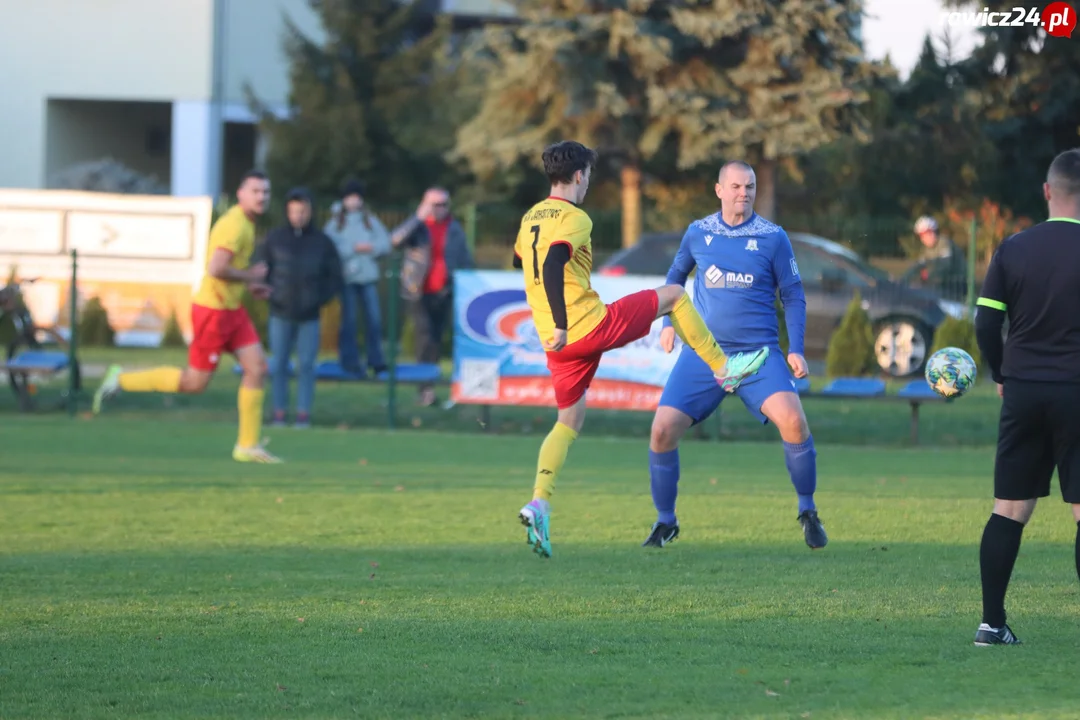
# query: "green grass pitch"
(384, 575)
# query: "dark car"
(904, 318)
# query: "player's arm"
(554, 274)
(792, 296)
(990, 315)
(680, 267)
(518, 264)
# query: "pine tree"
(378, 98)
(851, 347)
(960, 333)
(172, 336)
(675, 83)
(1030, 100)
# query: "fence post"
(74, 371)
(393, 310)
(971, 258)
(470, 226)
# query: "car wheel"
(901, 346)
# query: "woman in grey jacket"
(361, 241)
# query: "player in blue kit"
(741, 259)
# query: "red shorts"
(218, 331)
(572, 368)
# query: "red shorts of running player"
(218, 331)
(572, 368)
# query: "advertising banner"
(142, 256)
(498, 358)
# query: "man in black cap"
(304, 273)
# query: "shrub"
(330, 325)
(173, 337)
(851, 347)
(94, 327)
(959, 333)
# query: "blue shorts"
(692, 389)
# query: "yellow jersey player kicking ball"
(554, 248)
(220, 324)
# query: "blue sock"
(801, 462)
(664, 475)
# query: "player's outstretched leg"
(535, 516)
(160, 380)
(997, 555)
(692, 330)
(784, 410)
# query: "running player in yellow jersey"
(554, 248)
(220, 323)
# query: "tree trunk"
(631, 204)
(765, 205)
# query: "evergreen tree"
(1031, 104)
(379, 98)
(851, 347)
(677, 82)
(928, 149)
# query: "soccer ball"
(950, 372)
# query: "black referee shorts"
(1039, 430)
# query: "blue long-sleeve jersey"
(740, 269)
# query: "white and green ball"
(951, 372)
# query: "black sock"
(1078, 548)
(997, 555)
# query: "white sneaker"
(109, 386)
(257, 454)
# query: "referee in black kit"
(1034, 278)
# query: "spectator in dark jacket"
(435, 246)
(304, 273)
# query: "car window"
(812, 265)
(843, 256)
(648, 257)
(817, 267)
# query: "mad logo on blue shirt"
(718, 278)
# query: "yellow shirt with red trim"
(548, 223)
(235, 233)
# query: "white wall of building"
(149, 50)
(254, 34)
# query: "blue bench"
(409, 373)
(855, 387)
(915, 393)
(32, 362)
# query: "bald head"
(734, 165)
(1063, 177)
(736, 186)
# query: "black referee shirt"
(1034, 278)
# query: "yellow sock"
(692, 330)
(250, 404)
(162, 380)
(552, 456)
